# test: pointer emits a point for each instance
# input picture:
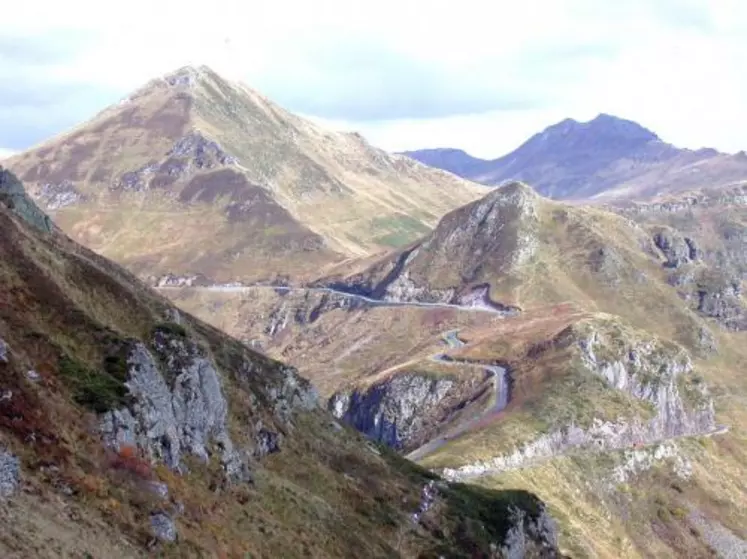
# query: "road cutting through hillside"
(499, 376)
(484, 307)
(500, 379)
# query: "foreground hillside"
(128, 428)
(606, 158)
(190, 153)
(593, 357)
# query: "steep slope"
(129, 429)
(194, 174)
(455, 161)
(593, 357)
(514, 248)
(605, 158)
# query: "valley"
(228, 331)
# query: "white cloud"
(479, 75)
(5, 153)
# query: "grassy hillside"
(129, 428)
(194, 174)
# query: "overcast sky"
(481, 75)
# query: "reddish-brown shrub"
(128, 459)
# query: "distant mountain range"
(605, 158)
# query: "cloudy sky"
(476, 74)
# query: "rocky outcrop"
(725, 543)
(427, 497)
(396, 411)
(661, 376)
(163, 527)
(179, 407)
(731, 196)
(291, 394)
(722, 301)
(201, 152)
(10, 473)
(676, 248)
(530, 536)
(470, 247)
(3, 351)
(402, 288)
(304, 307)
(179, 411)
(658, 375)
(191, 153)
(54, 196)
(13, 195)
(639, 460)
(173, 280)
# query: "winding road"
(500, 379)
(498, 373)
(483, 306)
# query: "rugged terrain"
(129, 428)
(594, 356)
(189, 153)
(605, 158)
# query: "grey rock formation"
(10, 473)
(394, 411)
(496, 234)
(203, 153)
(13, 195)
(3, 351)
(607, 263)
(159, 488)
(722, 301)
(676, 249)
(266, 442)
(292, 393)
(163, 527)
(189, 154)
(652, 373)
(646, 371)
(428, 496)
(530, 536)
(725, 543)
(60, 195)
(175, 412)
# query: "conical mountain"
(193, 174)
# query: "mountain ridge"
(190, 151)
(605, 158)
(131, 428)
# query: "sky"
(475, 74)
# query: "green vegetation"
(99, 391)
(400, 229)
(171, 328)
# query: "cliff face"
(179, 408)
(405, 410)
(128, 428)
(13, 195)
(493, 236)
(657, 374)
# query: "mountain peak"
(610, 124)
(188, 75)
(602, 127)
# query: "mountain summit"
(606, 157)
(193, 174)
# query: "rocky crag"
(128, 428)
(655, 373)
